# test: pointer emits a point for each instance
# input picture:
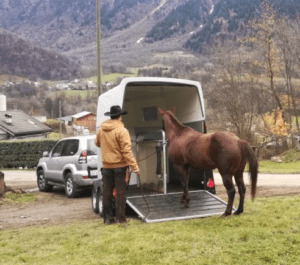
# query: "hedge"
(23, 153)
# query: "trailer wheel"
(100, 203)
(95, 199)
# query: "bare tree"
(288, 35)
(236, 91)
(262, 40)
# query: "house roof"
(22, 124)
(82, 114)
(76, 116)
(66, 118)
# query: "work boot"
(121, 220)
(109, 221)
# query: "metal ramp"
(167, 207)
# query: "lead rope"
(141, 187)
(143, 195)
(139, 177)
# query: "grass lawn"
(267, 233)
(75, 93)
(113, 76)
(267, 166)
(18, 198)
(94, 92)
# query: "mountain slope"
(69, 26)
(20, 57)
(132, 30)
(65, 25)
(185, 17)
(230, 17)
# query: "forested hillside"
(67, 25)
(185, 17)
(249, 76)
(229, 17)
(22, 58)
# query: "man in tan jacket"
(116, 155)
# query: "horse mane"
(175, 121)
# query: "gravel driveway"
(55, 208)
(27, 179)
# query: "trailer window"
(150, 114)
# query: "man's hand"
(127, 178)
(136, 171)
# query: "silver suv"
(72, 163)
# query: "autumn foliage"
(275, 124)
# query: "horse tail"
(249, 155)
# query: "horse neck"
(173, 126)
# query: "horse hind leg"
(239, 180)
(184, 177)
(228, 183)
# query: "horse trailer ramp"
(167, 207)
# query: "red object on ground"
(114, 192)
(210, 183)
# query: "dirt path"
(55, 208)
(50, 208)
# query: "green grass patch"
(267, 233)
(18, 198)
(83, 94)
(113, 76)
(55, 135)
(290, 164)
(290, 156)
(267, 166)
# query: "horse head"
(163, 112)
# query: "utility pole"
(60, 119)
(98, 28)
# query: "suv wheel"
(95, 199)
(42, 182)
(70, 186)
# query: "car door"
(55, 158)
(69, 151)
(92, 158)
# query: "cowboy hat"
(115, 111)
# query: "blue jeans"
(114, 178)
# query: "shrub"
(23, 153)
(54, 125)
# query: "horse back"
(178, 145)
(217, 150)
(191, 148)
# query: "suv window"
(70, 148)
(58, 149)
(91, 147)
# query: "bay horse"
(222, 150)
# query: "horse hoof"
(182, 199)
(237, 212)
(224, 215)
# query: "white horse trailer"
(141, 97)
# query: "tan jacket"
(114, 140)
